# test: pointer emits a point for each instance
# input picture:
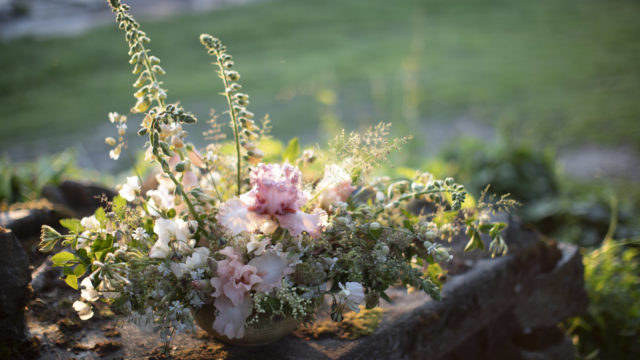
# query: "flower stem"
(234, 119)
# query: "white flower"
(115, 152)
(159, 250)
(258, 246)
(168, 229)
(88, 293)
(128, 190)
(90, 223)
(178, 269)
(198, 259)
(139, 234)
(351, 294)
(83, 309)
(160, 199)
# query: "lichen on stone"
(353, 326)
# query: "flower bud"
(180, 166)
(233, 75)
(142, 105)
(416, 187)
(110, 141)
(248, 145)
(375, 226)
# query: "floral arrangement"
(224, 228)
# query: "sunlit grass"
(550, 72)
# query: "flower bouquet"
(233, 240)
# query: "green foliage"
(564, 208)
(611, 325)
(292, 152)
(524, 173)
(20, 182)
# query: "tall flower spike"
(244, 128)
(149, 93)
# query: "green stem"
(234, 119)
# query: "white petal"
(83, 309)
(159, 250)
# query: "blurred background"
(541, 99)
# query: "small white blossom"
(90, 223)
(139, 234)
(128, 190)
(88, 293)
(196, 301)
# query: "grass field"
(553, 72)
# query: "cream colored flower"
(83, 309)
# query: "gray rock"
(14, 287)
(80, 197)
(26, 223)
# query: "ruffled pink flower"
(276, 190)
(236, 217)
(276, 193)
(234, 279)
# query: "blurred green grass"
(550, 72)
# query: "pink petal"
(189, 180)
(271, 268)
(196, 158)
(231, 319)
(236, 217)
(300, 222)
(275, 189)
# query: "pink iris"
(276, 193)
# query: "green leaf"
(119, 204)
(102, 243)
(495, 230)
(72, 225)
(72, 281)
(100, 215)
(79, 270)
(475, 242)
(292, 152)
(62, 258)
